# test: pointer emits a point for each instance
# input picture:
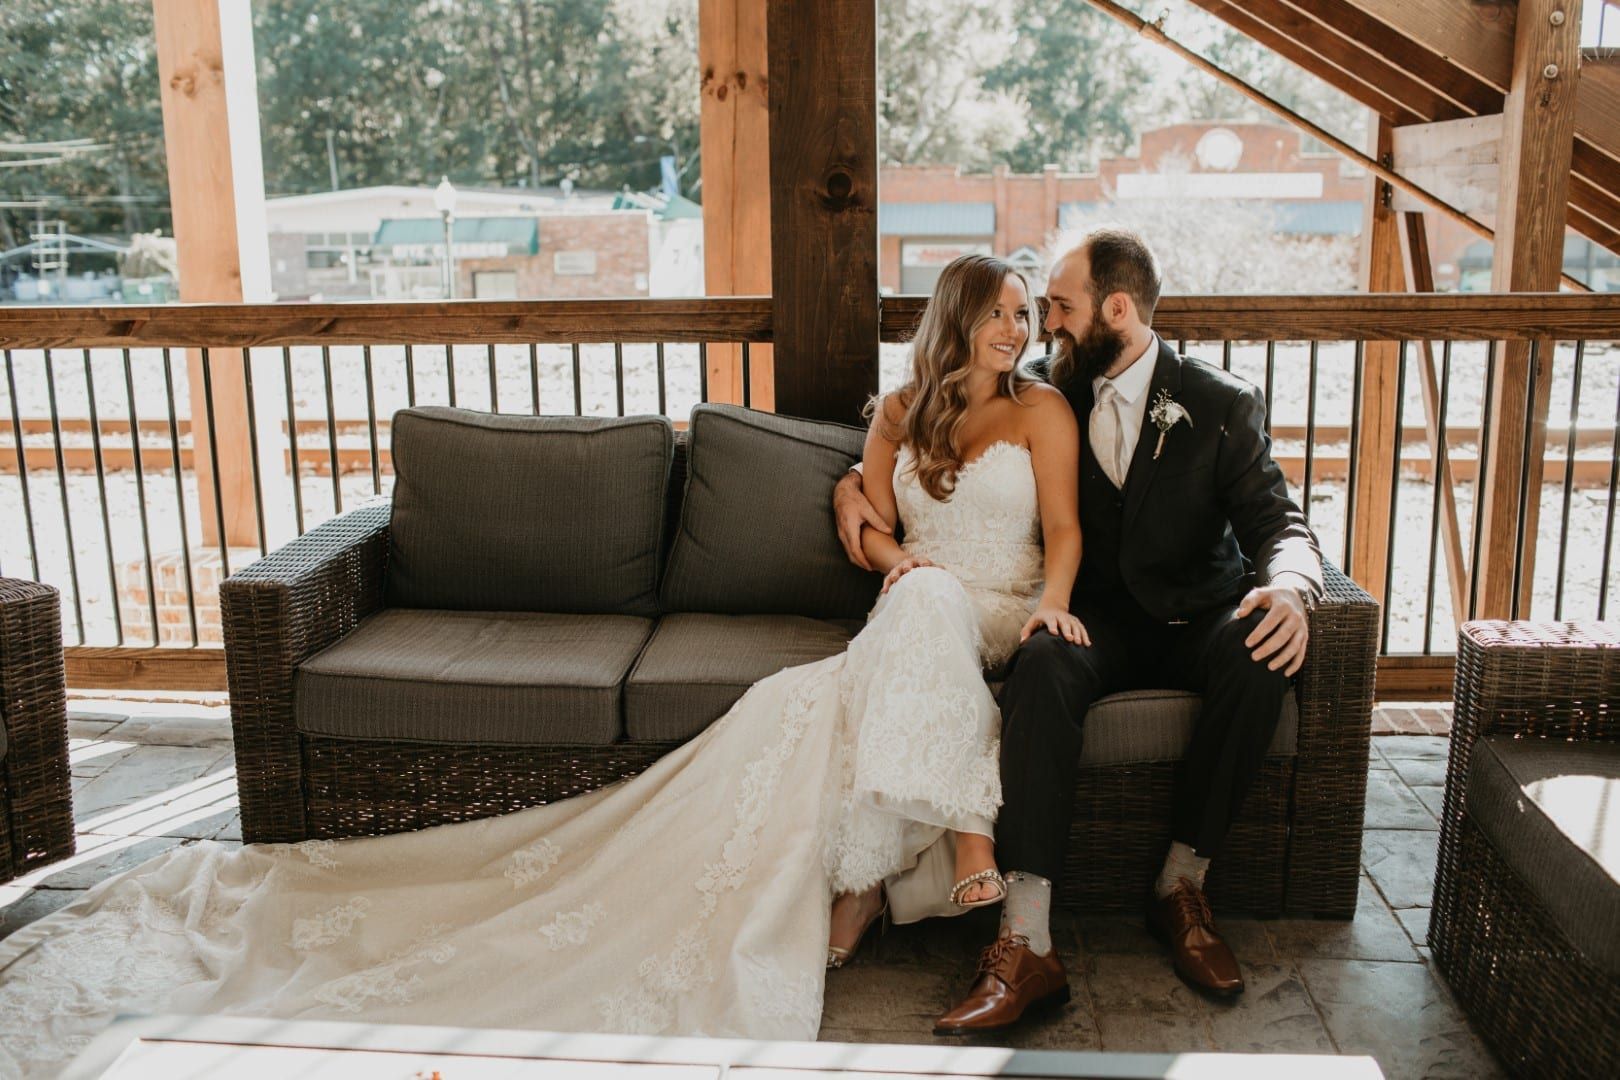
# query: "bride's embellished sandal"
(837, 958)
(991, 876)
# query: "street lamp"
(444, 198)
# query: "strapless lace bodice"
(989, 533)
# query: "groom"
(1198, 574)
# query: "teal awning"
(518, 235)
(937, 219)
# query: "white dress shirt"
(1131, 385)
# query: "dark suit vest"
(1102, 522)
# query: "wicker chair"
(1534, 701)
(1295, 848)
(36, 798)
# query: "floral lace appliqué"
(572, 927)
(329, 927)
(530, 864)
(389, 981)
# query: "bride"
(707, 895)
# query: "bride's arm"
(877, 484)
(1054, 448)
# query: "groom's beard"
(1092, 355)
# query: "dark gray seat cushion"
(757, 535)
(472, 677)
(527, 513)
(1157, 725)
(697, 666)
(1551, 810)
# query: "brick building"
(932, 213)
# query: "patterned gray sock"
(1181, 862)
(1027, 909)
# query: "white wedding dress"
(692, 899)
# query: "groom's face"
(1074, 318)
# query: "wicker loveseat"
(36, 800)
(549, 605)
(1526, 916)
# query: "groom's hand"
(853, 511)
(1279, 641)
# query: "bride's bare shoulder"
(1046, 406)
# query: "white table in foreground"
(247, 1049)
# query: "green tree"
(81, 70)
(1080, 80)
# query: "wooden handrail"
(1337, 317)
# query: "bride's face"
(999, 343)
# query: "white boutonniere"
(1167, 413)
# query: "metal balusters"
(450, 373)
(1394, 490)
(61, 479)
(1353, 462)
(1569, 478)
(253, 448)
(579, 396)
(1608, 516)
(618, 375)
(101, 491)
(1271, 381)
(747, 380)
(180, 491)
(1441, 454)
(1310, 432)
(1226, 356)
(22, 466)
(703, 371)
(1525, 493)
(331, 433)
(1483, 458)
(213, 460)
(494, 382)
(663, 404)
(410, 376)
(292, 441)
(371, 422)
(534, 378)
(140, 497)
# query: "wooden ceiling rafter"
(1419, 61)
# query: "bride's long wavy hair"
(935, 396)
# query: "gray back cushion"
(756, 534)
(527, 513)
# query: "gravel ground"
(1584, 553)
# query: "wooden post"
(824, 199)
(736, 181)
(1376, 446)
(216, 185)
(1538, 131)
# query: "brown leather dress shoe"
(1183, 921)
(1012, 980)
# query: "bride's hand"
(1058, 622)
(901, 569)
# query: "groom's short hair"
(1122, 262)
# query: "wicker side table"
(36, 798)
(1535, 998)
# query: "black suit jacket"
(1210, 516)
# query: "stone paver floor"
(150, 776)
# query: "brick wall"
(620, 241)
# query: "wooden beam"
(1373, 483)
(1471, 93)
(1342, 65)
(95, 668)
(1415, 678)
(1537, 135)
(216, 187)
(824, 200)
(735, 126)
(1280, 29)
(1419, 269)
(1476, 35)
(1455, 159)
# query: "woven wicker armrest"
(277, 613)
(1335, 696)
(36, 802)
(1533, 679)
